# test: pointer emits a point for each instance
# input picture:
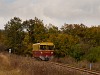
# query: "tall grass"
(18, 65)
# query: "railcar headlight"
(41, 52)
(51, 52)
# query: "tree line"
(74, 40)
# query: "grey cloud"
(52, 11)
(73, 9)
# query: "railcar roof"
(44, 43)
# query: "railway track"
(90, 72)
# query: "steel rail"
(76, 68)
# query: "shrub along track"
(83, 71)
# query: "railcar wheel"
(46, 59)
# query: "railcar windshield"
(46, 47)
(50, 47)
(42, 47)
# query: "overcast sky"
(56, 12)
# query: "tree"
(74, 29)
(93, 36)
(63, 42)
(29, 26)
(52, 29)
(51, 32)
(35, 29)
(14, 34)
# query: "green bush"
(94, 54)
(76, 52)
(60, 53)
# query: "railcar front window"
(46, 47)
(42, 47)
(50, 47)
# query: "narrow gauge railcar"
(43, 50)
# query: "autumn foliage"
(74, 40)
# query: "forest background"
(74, 40)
